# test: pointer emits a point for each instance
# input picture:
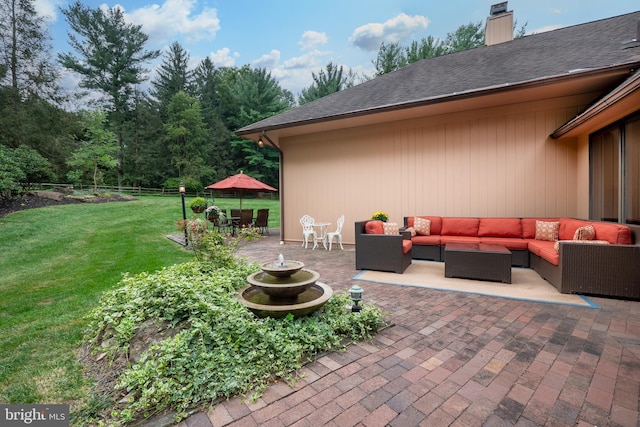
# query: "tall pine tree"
(25, 48)
(110, 59)
(173, 75)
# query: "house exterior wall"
(496, 162)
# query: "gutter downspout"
(281, 179)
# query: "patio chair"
(382, 252)
(223, 224)
(337, 234)
(262, 221)
(307, 230)
(246, 218)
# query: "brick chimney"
(499, 27)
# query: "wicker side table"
(478, 261)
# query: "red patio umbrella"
(241, 183)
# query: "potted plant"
(215, 214)
(197, 205)
(382, 216)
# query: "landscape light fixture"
(356, 296)
(182, 190)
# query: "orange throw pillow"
(374, 227)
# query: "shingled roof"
(551, 55)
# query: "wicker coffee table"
(478, 261)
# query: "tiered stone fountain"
(282, 288)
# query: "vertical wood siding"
(493, 162)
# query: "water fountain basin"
(284, 286)
(282, 268)
(263, 305)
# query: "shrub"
(221, 349)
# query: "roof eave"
(630, 87)
(542, 81)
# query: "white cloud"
(224, 58)
(268, 60)
(296, 73)
(163, 22)
(311, 39)
(370, 36)
(47, 9)
(309, 61)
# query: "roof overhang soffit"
(619, 103)
(551, 87)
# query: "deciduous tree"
(96, 153)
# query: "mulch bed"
(31, 201)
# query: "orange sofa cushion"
(613, 233)
(618, 234)
(568, 227)
(460, 227)
(426, 240)
(406, 246)
(539, 246)
(550, 255)
(374, 227)
(500, 227)
(514, 243)
(458, 239)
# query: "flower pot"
(198, 209)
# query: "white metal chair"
(307, 230)
(337, 234)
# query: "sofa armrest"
(608, 270)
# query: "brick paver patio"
(454, 359)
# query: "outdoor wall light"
(260, 143)
(356, 296)
(182, 190)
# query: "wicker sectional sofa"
(607, 265)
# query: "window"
(632, 171)
(615, 172)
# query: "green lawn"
(55, 263)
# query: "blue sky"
(293, 38)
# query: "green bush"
(19, 168)
(221, 349)
(191, 185)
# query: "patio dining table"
(322, 233)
